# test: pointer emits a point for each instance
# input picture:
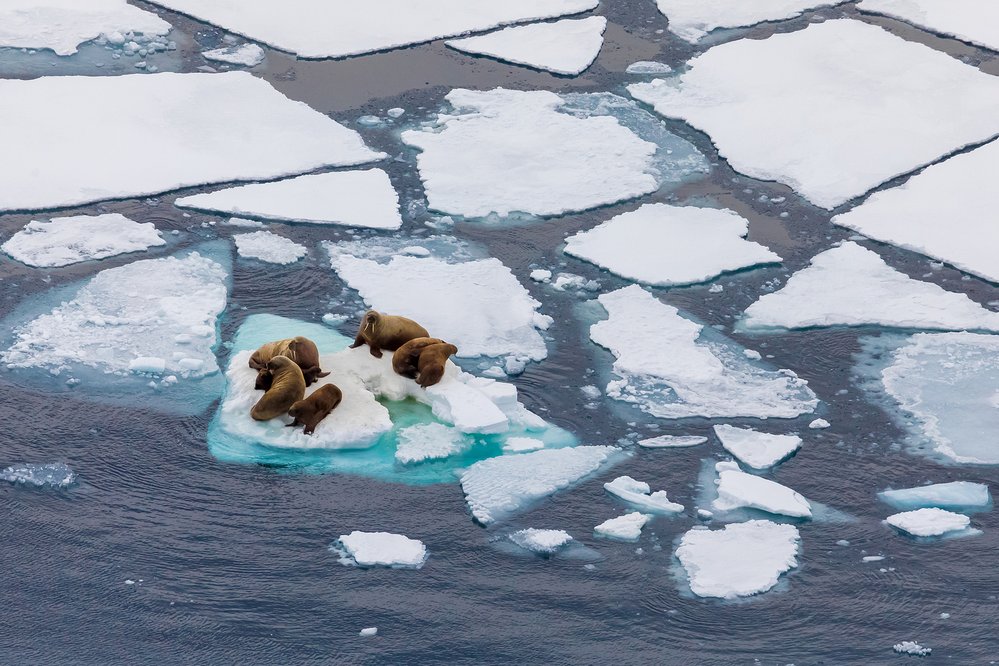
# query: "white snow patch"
(972, 21)
(246, 55)
(955, 495)
(671, 441)
(738, 490)
(269, 247)
(380, 549)
(693, 19)
(639, 495)
(543, 542)
(623, 528)
(929, 522)
(67, 240)
(759, 450)
(429, 441)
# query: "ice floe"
(759, 450)
(672, 367)
(645, 67)
(429, 441)
(912, 648)
(639, 495)
(497, 487)
(953, 496)
(671, 441)
(363, 198)
(666, 245)
(819, 424)
(929, 522)
(542, 542)
(380, 549)
(739, 490)
(850, 285)
(368, 631)
(564, 47)
(246, 55)
(184, 129)
(67, 240)
(55, 475)
(320, 29)
(693, 19)
(623, 528)
(738, 560)
(62, 25)
(269, 247)
(958, 190)
(842, 130)
(972, 21)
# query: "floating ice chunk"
(396, 112)
(194, 124)
(368, 631)
(673, 367)
(639, 495)
(380, 549)
(738, 560)
(247, 55)
(843, 130)
(929, 522)
(522, 444)
(666, 245)
(67, 240)
(671, 441)
(498, 487)
(870, 558)
(62, 25)
(564, 47)
(623, 528)
(148, 364)
(55, 475)
(269, 247)
(429, 441)
(972, 21)
(850, 285)
(543, 542)
(242, 222)
(693, 19)
(913, 648)
(959, 190)
(737, 490)
(541, 275)
(648, 67)
(819, 424)
(349, 198)
(955, 495)
(320, 29)
(759, 450)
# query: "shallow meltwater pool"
(695, 417)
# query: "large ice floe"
(639, 495)
(623, 528)
(963, 496)
(380, 549)
(499, 487)
(501, 152)
(850, 285)
(564, 47)
(68, 240)
(145, 327)
(665, 245)
(693, 19)
(738, 560)
(672, 367)
(184, 129)
(54, 475)
(739, 490)
(972, 21)
(959, 190)
(62, 25)
(839, 131)
(363, 198)
(386, 426)
(931, 522)
(269, 247)
(758, 450)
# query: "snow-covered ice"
(739, 490)
(671, 441)
(623, 528)
(522, 444)
(929, 522)
(67, 240)
(850, 285)
(759, 450)
(939, 212)
(498, 487)
(639, 495)
(380, 549)
(665, 245)
(953, 496)
(148, 133)
(693, 19)
(321, 29)
(429, 441)
(368, 631)
(543, 542)
(269, 247)
(838, 131)
(672, 367)
(363, 198)
(972, 21)
(246, 55)
(55, 475)
(564, 47)
(912, 648)
(738, 560)
(819, 424)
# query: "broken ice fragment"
(380, 549)
(739, 490)
(247, 55)
(639, 495)
(543, 542)
(759, 450)
(623, 528)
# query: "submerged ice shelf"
(67, 240)
(961, 496)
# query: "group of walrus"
(286, 367)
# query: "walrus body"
(405, 359)
(301, 350)
(382, 331)
(430, 366)
(310, 411)
(287, 388)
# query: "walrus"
(301, 350)
(433, 358)
(382, 331)
(287, 388)
(405, 358)
(310, 411)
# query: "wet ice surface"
(67, 240)
(954, 495)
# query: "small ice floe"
(522, 444)
(62, 25)
(623, 528)
(639, 495)
(867, 559)
(738, 560)
(204, 144)
(541, 275)
(368, 631)
(759, 450)
(664, 245)
(498, 487)
(930, 523)
(380, 549)
(973, 22)
(564, 47)
(643, 67)
(67, 240)
(850, 285)
(542, 542)
(883, 90)
(739, 490)
(671, 441)
(954, 495)
(245, 55)
(672, 367)
(573, 282)
(269, 247)
(693, 19)
(370, 121)
(912, 648)
(429, 441)
(55, 475)
(241, 222)
(819, 424)
(395, 112)
(362, 198)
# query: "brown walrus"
(301, 350)
(433, 358)
(310, 411)
(382, 331)
(287, 388)
(405, 358)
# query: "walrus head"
(371, 318)
(279, 362)
(296, 410)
